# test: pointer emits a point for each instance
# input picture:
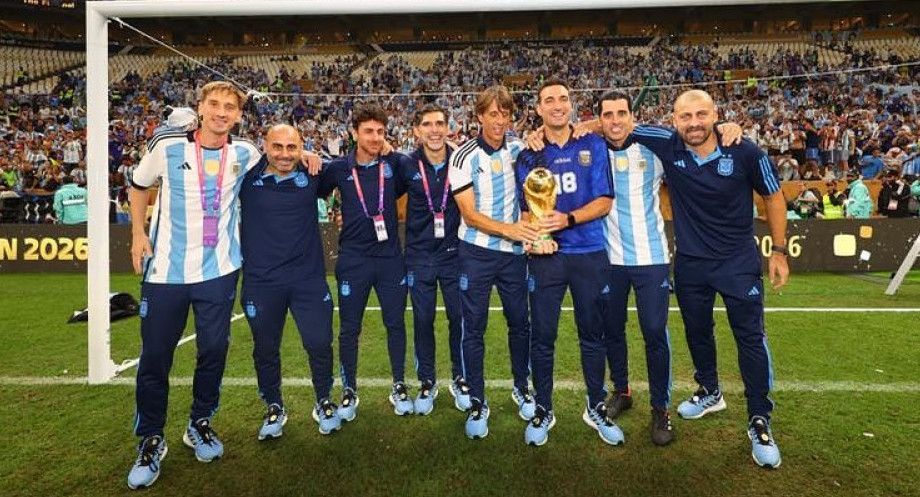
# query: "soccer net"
(100, 15)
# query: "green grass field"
(847, 394)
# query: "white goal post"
(98, 13)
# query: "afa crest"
(726, 166)
(346, 289)
(622, 163)
(584, 157)
(250, 309)
(142, 309)
(410, 278)
(464, 282)
(387, 170)
(301, 180)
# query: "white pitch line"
(734, 387)
(722, 309)
(133, 362)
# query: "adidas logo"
(606, 290)
(327, 298)
(754, 292)
(350, 178)
(185, 167)
(680, 164)
(479, 170)
(665, 284)
(417, 177)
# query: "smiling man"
(191, 259)
(432, 221)
(491, 252)
(710, 187)
(584, 192)
(369, 254)
(283, 271)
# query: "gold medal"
(497, 166)
(211, 167)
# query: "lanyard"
(380, 182)
(421, 168)
(199, 154)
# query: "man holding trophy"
(568, 190)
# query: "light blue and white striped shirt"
(490, 174)
(634, 225)
(177, 225)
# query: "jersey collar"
(488, 148)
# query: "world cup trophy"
(540, 195)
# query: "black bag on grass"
(121, 306)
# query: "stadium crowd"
(817, 121)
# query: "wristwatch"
(571, 219)
(780, 249)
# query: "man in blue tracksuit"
(710, 189)
(584, 191)
(432, 220)
(369, 254)
(283, 269)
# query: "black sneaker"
(662, 431)
(620, 400)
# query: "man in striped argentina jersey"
(637, 249)
(491, 253)
(191, 258)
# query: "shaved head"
(286, 131)
(283, 146)
(693, 96)
(694, 117)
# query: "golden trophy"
(540, 195)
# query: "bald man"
(283, 269)
(710, 188)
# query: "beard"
(685, 134)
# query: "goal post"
(99, 12)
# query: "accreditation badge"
(380, 227)
(439, 225)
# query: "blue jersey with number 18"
(582, 171)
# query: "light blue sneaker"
(349, 406)
(597, 418)
(424, 402)
(200, 437)
(150, 453)
(399, 397)
(537, 431)
(275, 419)
(461, 393)
(525, 403)
(763, 447)
(326, 415)
(701, 403)
(477, 421)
